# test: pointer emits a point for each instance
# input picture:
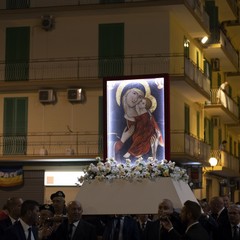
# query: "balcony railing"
(197, 75)
(94, 68)
(226, 160)
(52, 144)
(190, 145)
(225, 100)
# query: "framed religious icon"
(137, 117)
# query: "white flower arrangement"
(137, 170)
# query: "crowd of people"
(216, 219)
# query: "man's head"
(226, 200)
(74, 211)
(13, 206)
(216, 204)
(30, 212)
(190, 212)
(165, 208)
(234, 214)
(58, 202)
(46, 213)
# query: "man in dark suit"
(121, 227)
(74, 227)
(24, 228)
(190, 214)
(220, 214)
(143, 221)
(13, 206)
(154, 230)
(232, 231)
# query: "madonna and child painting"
(135, 119)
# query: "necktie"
(143, 226)
(116, 229)
(235, 233)
(70, 230)
(29, 234)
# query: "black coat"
(84, 231)
(130, 229)
(195, 232)
(16, 232)
(223, 231)
(4, 224)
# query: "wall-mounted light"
(213, 161)
(204, 39)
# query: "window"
(187, 118)
(111, 49)
(17, 54)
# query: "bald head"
(74, 210)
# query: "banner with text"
(11, 176)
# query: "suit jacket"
(130, 229)
(4, 224)
(16, 232)
(155, 231)
(84, 231)
(142, 232)
(195, 232)
(223, 231)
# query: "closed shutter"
(111, 49)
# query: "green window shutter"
(230, 145)
(111, 49)
(14, 4)
(15, 126)
(219, 79)
(17, 53)
(187, 118)
(208, 131)
(198, 124)
(212, 11)
(219, 136)
(9, 116)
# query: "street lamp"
(213, 161)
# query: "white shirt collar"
(191, 226)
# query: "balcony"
(184, 10)
(228, 9)
(51, 145)
(228, 165)
(88, 72)
(188, 149)
(224, 107)
(220, 47)
(194, 83)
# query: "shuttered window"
(111, 49)
(17, 54)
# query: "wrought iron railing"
(93, 68)
(52, 144)
(183, 143)
(225, 100)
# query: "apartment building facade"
(54, 56)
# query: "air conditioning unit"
(215, 64)
(216, 122)
(74, 95)
(46, 96)
(47, 22)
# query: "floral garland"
(137, 170)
